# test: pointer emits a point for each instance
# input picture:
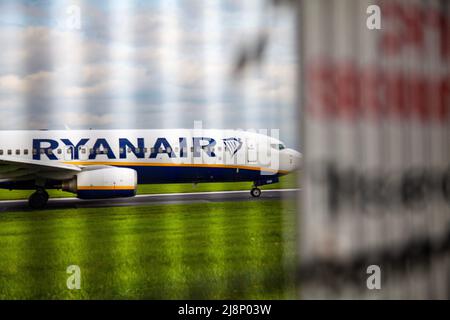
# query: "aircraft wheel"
(255, 192)
(38, 199)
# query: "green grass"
(239, 250)
(288, 181)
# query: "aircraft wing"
(12, 168)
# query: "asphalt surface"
(153, 199)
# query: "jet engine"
(102, 183)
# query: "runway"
(153, 199)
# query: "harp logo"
(232, 145)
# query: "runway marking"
(158, 195)
(211, 192)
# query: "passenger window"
(160, 150)
(1, 152)
(34, 152)
(83, 151)
(129, 150)
(59, 151)
(169, 150)
(17, 152)
(25, 151)
(50, 151)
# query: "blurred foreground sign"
(376, 208)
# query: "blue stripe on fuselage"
(174, 174)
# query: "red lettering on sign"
(346, 91)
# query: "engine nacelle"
(103, 183)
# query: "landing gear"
(255, 192)
(38, 199)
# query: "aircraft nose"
(295, 159)
(298, 160)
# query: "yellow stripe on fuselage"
(105, 188)
(147, 164)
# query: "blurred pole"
(374, 90)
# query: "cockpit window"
(278, 146)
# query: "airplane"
(102, 164)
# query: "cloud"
(85, 119)
(160, 66)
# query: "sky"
(146, 64)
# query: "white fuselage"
(158, 156)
